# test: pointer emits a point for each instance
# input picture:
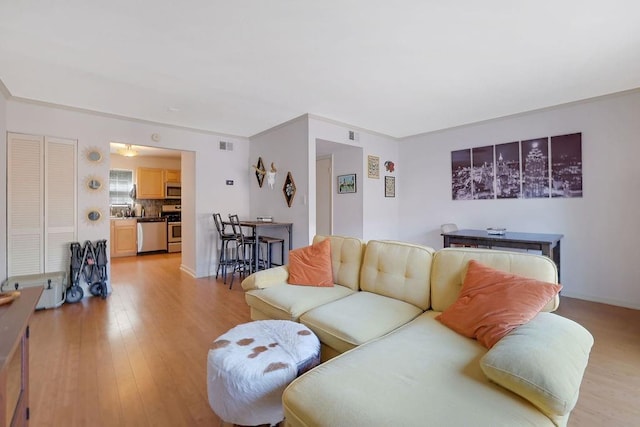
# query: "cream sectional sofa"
(392, 363)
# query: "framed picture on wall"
(389, 186)
(347, 183)
(373, 167)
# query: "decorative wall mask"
(389, 166)
(271, 176)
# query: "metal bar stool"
(225, 238)
(245, 249)
(270, 241)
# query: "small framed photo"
(347, 183)
(373, 167)
(389, 186)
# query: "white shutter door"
(59, 202)
(25, 167)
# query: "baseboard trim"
(609, 301)
(189, 271)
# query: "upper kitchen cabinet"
(171, 175)
(150, 183)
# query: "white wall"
(208, 170)
(292, 145)
(380, 215)
(348, 215)
(287, 147)
(601, 230)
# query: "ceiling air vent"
(228, 146)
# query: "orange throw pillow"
(492, 303)
(311, 266)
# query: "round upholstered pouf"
(249, 367)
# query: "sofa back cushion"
(346, 258)
(450, 267)
(397, 270)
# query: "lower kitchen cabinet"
(123, 237)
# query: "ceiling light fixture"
(128, 151)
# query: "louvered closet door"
(60, 202)
(41, 203)
(25, 204)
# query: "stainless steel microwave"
(172, 190)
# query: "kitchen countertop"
(151, 219)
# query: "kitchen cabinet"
(124, 237)
(150, 183)
(171, 175)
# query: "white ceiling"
(240, 67)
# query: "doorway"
(156, 166)
(324, 193)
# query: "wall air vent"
(228, 146)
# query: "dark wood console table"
(14, 357)
(549, 244)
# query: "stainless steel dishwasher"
(152, 234)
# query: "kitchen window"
(120, 185)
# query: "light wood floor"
(138, 358)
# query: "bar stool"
(270, 241)
(225, 238)
(245, 249)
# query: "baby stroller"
(90, 263)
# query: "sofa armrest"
(266, 278)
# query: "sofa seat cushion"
(358, 318)
(422, 374)
(289, 302)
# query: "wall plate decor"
(260, 171)
(93, 155)
(389, 186)
(347, 183)
(93, 184)
(373, 167)
(289, 189)
(93, 216)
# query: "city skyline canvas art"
(534, 168)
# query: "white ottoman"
(249, 367)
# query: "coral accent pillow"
(492, 303)
(311, 266)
